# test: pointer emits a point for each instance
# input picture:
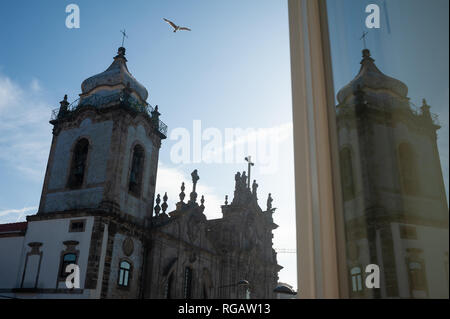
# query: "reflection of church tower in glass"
(395, 207)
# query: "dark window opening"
(205, 292)
(187, 283)
(168, 287)
(77, 226)
(134, 185)
(408, 170)
(348, 184)
(78, 166)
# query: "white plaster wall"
(130, 203)
(99, 135)
(100, 139)
(10, 259)
(80, 198)
(434, 243)
(52, 234)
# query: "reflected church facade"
(395, 206)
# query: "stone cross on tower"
(195, 179)
(250, 164)
(363, 37)
(124, 35)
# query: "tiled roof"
(13, 227)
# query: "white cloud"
(15, 215)
(24, 129)
(169, 180)
(231, 145)
(9, 93)
(35, 85)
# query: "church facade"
(99, 211)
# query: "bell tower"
(395, 207)
(99, 186)
(104, 153)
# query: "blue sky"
(231, 71)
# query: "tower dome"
(371, 77)
(110, 82)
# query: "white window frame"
(320, 229)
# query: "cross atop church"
(124, 35)
(363, 37)
(250, 164)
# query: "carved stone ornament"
(128, 246)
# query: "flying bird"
(176, 27)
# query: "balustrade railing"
(60, 113)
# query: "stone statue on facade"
(269, 202)
(254, 189)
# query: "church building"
(99, 211)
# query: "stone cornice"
(119, 218)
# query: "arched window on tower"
(347, 176)
(168, 287)
(137, 165)
(356, 276)
(187, 283)
(78, 166)
(67, 259)
(407, 168)
(123, 279)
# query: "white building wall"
(136, 206)
(435, 258)
(99, 135)
(52, 234)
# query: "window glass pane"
(125, 279)
(70, 257)
(390, 75)
(124, 265)
(121, 277)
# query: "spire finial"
(202, 201)
(366, 53)
(363, 37)
(157, 207)
(63, 106)
(182, 194)
(64, 102)
(425, 109)
(164, 204)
